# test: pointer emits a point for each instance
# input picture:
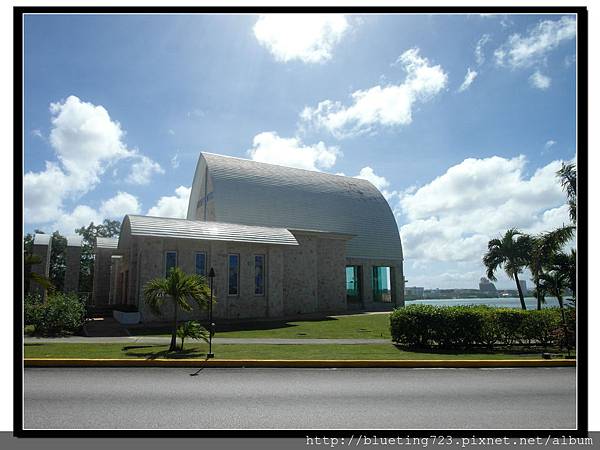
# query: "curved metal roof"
(211, 231)
(255, 193)
(41, 239)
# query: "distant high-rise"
(486, 285)
(523, 284)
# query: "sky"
(461, 121)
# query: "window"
(381, 284)
(201, 263)
(234, 274)
(259, 274)
(170, 261)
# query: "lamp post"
(210, 354)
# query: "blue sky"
(117, 109)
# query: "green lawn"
(363, 326)
(250, 351)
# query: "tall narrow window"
(201, 263)
(234, 274)
(381, 284)
(170, 261)
(259, 275)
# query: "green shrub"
(60, 314)
(462, 327)
(31, 308)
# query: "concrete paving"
(167, 339)
(524, 398)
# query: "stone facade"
(42, 247)
(299, 279)
(102, 263)
(366, 282)
(73, 264)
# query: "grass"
(362, 326)
(251, 351)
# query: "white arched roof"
(253, 193)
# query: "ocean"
(504, 302)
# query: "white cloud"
(268, 147)
(524, 51)
(479, 52)
(453, 217)
(381, 183)
(309, 38)
(390, 105)
(142, 170)
(540, 81)
(44, 192)
(172, 206)
(119, 205)
(175, 161)
(37, 133)
(550, 143)
(469, 78)
(82, 215)
(86, 142)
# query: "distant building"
(486, 285)
(413, 292)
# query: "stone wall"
(42, 250)
(396, 280)
(101, 288)
(299, 279)
(73, 265)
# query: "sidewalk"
(167, 339)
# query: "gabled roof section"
(107, 242)
(210, 231)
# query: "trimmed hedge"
(463, 327)
(60, 314)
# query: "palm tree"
(566, 264)
(510, 252)
(555, 281)
(568, 180)
(193, 330)
(179, 288)
(30, 260)
(544, 248)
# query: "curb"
(315, 363)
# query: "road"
(519, 398)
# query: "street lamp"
(210, 354)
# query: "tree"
(554, 281)
(178, 288)
(568, 179)
(566, 264)
(509, 252)
(108, 228)
(193, 330)
(544, 248)
(29, 276)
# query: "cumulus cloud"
(86, 141)
(174, 205)
(539, 80)
(269, 147)
(82, 215)
(453, 217)
(469, 78)
(389, 105)
(525, 51)
(549, 144)
(381, 183)
(309, 38)
(479, 49)
(142, 170)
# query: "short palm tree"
(509, 252)
(544, 248)
(193, 330)
(179, 288)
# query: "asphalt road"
(521, 398)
